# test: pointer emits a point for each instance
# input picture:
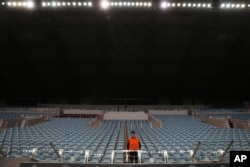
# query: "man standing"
(133, 145)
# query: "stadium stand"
(81, 143)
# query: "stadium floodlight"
(232, 5)
(149, 4)
(3, 3)
(184, 4)
(30, 4)
(243, 6)
(19, 4)
(179, 4)
(79, 4)
(194, 4)
(189, 4)
(89, 3)
(209, 5)
(104, 4)
(44, 4)
(198, 5)
(228, 5)
(164, 5)
(223, 5)
(74, 3)
(63, 4)
(173, 4)
(53, 4)
(14, 4)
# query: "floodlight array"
(165, 5)
(18, 4)
(108, 4)
(233, 5)
(56, 4)
(139, 4)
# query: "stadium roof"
(124, 53)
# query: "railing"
(126, 151)
(139, 153)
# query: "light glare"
(104, 4)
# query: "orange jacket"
(134, 144)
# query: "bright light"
(228, 5)
(54, 4)
(222, 5)
(184, 4)
(89, 4)
(163, 4)
(3, 3)
(79, 4)
(44, 4)
(243, 6)
(199, 5)
(74, 3)
(149, 4)
(63, 3)
(178, 4)
(104, 4)
(30, 4)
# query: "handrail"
(226, 150)
(86, 157)
(59, 156)
(165, 156)
(192, 154)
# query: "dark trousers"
(133, 156)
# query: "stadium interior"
(77, 76)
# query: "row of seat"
(178, 135)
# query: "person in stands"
(133, 145)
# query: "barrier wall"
(223, 122)
(81, 111)
(125, 116)
(169, 112)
